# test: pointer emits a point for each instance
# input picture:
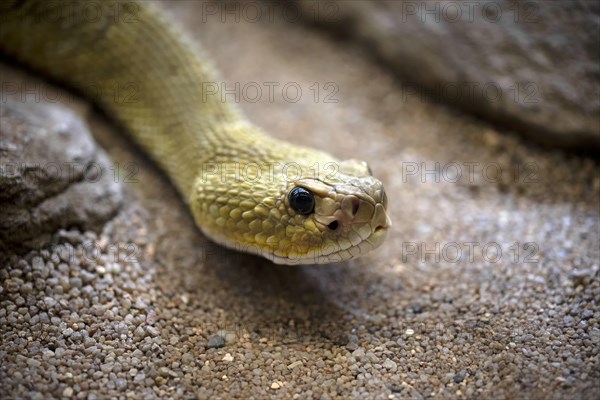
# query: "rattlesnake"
(246, 190)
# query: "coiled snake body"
(236, 179)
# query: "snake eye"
(302, 201)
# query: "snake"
(246, 190)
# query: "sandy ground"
(487, 286)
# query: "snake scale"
(246, 190)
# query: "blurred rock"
(532, 66)
(52, 175)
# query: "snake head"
(326, 212)
(337, 215)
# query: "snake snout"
(380, 219)
(367, 211)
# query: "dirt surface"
(149, 308)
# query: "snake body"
(246, 190)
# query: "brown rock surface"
(142, 308)
(532, 65)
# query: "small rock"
(416, 308)
(152, 317)
(121, 384)
(152, 331)
(187, 359)
(139, 332)
(33, 363)
(228, 358)
(372, 357)
(216, 342)
(295, 364)
(587, 314)
(50, 302)
(360, 352)
(230, 336)
(390, 365)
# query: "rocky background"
(108, 289)
(533, 66)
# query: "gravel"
(158, 311)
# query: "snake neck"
(128, 61)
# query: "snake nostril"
(355, 206)
(333, 225)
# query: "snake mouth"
(373, 235)
(373, 241)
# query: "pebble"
(152, 331)
(121, 327)
(139, 333)
(276, 385)
(358, 353)
(395, 389)
(390, 365)
(187, 359)
(50, 302)
(151, 318)
(216, 342)
(120, 384)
